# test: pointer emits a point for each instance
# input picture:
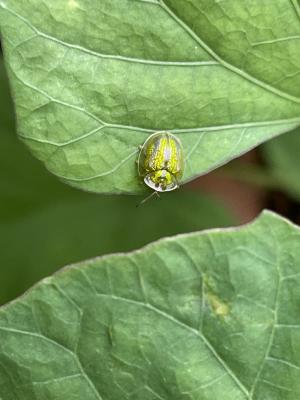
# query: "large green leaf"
(211, 315)
(92, 79)
(282, 156)
(45, 224)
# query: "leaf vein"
(295, 120)
(74, 355)
(226, 64)
(102, 55)
(272, 334)
(188, 327)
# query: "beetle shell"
(161, 161)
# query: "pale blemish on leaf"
(72, 4)
(219, 307)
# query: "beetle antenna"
(147, 198)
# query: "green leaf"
(282, 156)
(91, 80)
(206, 315)
(45, 224)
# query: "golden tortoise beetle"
(160, 162)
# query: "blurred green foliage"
(45, 224)
(283, 158)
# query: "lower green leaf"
(206, 315)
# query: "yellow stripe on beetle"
(161, 162)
